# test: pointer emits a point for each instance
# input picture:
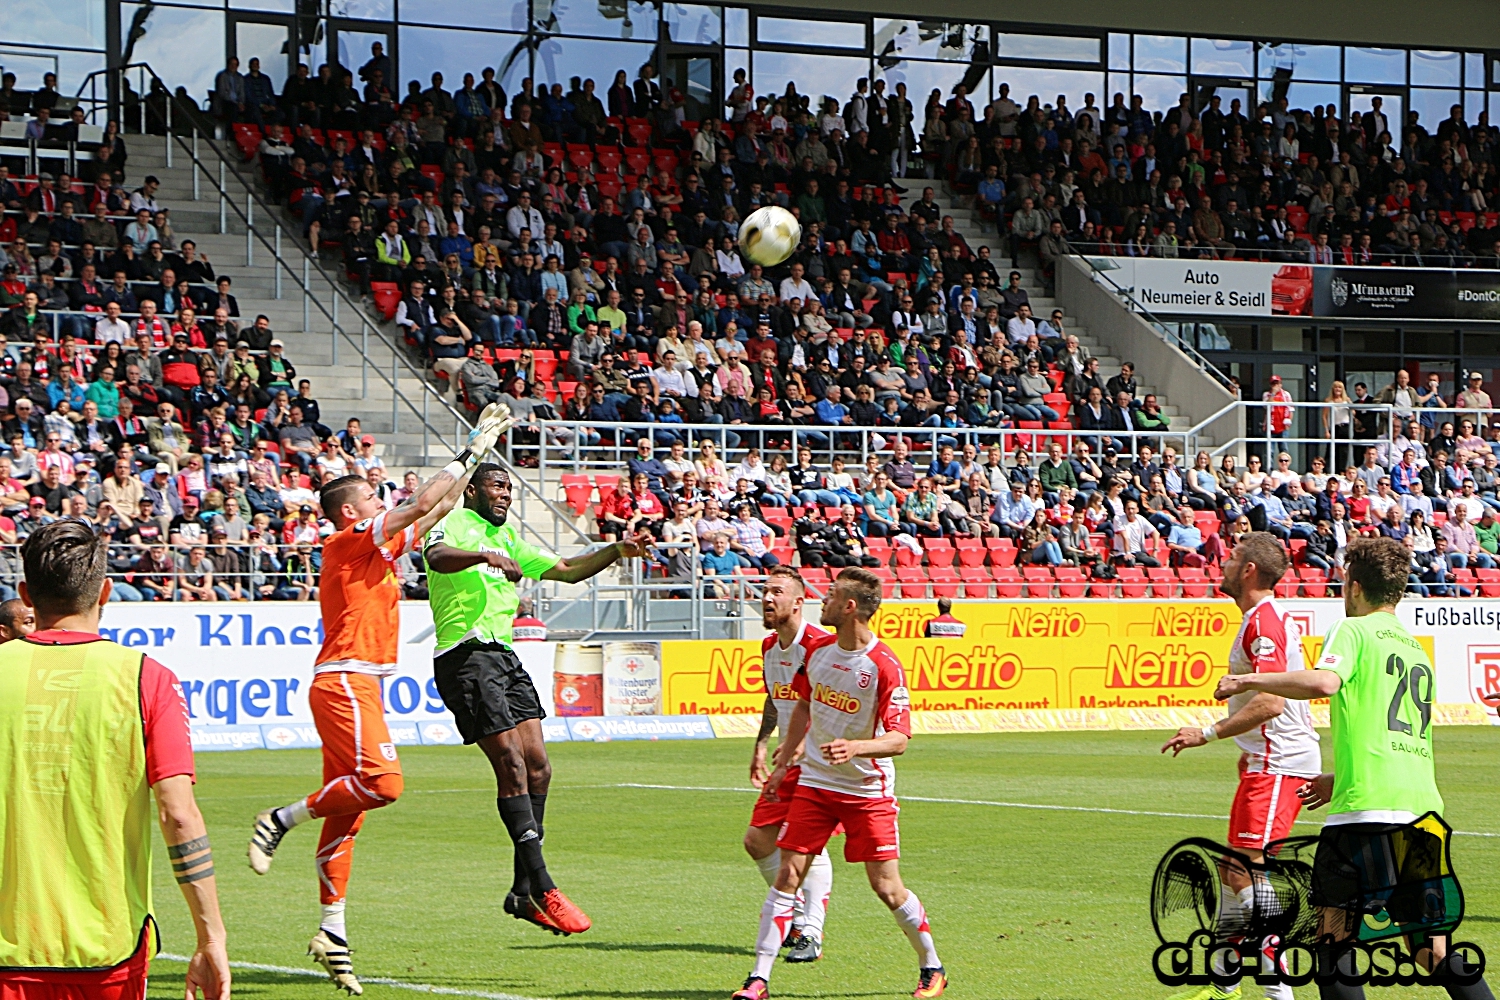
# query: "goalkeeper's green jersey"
(1381, 717)
(478, 602)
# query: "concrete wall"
(1443, 24)
(1164, 366)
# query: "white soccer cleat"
(334, 958)
(264, 840)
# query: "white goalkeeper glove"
(493, 422)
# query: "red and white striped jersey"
(781, 665)
(1270, 642)
(858, 695)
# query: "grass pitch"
(1024, 902)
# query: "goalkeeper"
(474, 559)
(1380, 689)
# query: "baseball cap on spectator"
(306, 509)
(163, 469)
(190, 501)
(242, 343)
(44, 176)
(34, 501)
(219, 529)
(1275, 378)
(277, 343)
(367, 439)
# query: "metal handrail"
(246, 215)
(1161, 327)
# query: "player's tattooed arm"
(183, 829)
(758, 772)
(454, 495)
(790, 747)
(581, 568)
(447, 486)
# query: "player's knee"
(387, 787)
(538, 775)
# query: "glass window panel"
(693, 24)
(266, 42)
(596, 18)
(1158, 93)
(1221, 57)
(1473, 69)
(191, 66)
(557, 60)
(70, 66)
(53, 22)
(811, 34)
(453, 53)
(1119, 51)
(462, 12)
(1306, 62)
(354, 50)
(1119, 83)
(1393, 106)
(816, 76)
(1305, 96)
(363, 10)
(922, 78)
(948, 40)
(1160, 54)
(736, 26)
(1494, 108)
(1435, 69)
(1046, 84)
(274, 6)
(1473, 105)
(1363, 65)
(1056, 48)
(1432, 106)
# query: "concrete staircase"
(966, 221)
(340, 381)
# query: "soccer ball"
(769, 235)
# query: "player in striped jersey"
(783, 653)
(1278, 746)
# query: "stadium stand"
(548, 251)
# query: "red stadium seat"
(970, 555)
(913, 583)
(976, 582)
(887, 583)
(944, 582)
(1038, 582)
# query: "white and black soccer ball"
(769, 235)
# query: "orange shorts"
(1265, 807)
(350, 716)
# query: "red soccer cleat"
(932, 983)
(754, 989)
(558, 912)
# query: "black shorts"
(486, 689)
(1399, 869)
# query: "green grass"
(1024, 903)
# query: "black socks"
(523, 823)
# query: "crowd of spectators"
(136, 397)
(1409, 475)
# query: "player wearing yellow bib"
(474, 559)
(1380, 688)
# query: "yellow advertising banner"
(1017, 657)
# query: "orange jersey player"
(360, 595)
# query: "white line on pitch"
(288, 970)
(994, 804)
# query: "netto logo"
(976, 668)
(738, 672)
(841, 701)
(1174, 666)
(1181, 623)
(783, 692)
(1048, 623)
(904, 622)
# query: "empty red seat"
(887, 582)
(1163, 582)
(970, 555)
(913, 583)
(976, 582)
(1038, 582)
(944, 582)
